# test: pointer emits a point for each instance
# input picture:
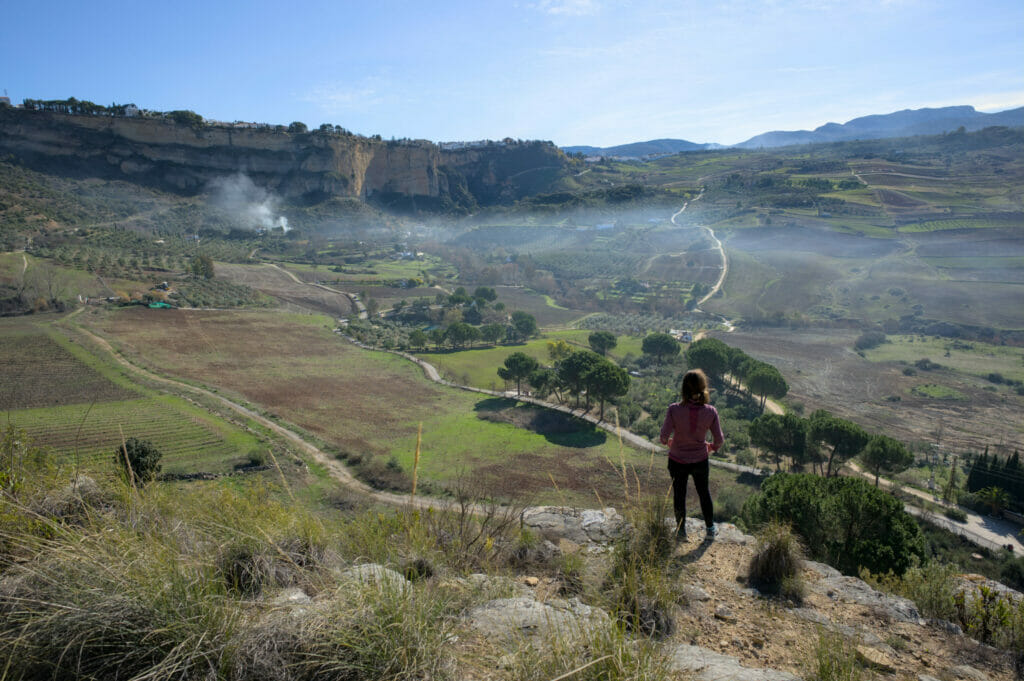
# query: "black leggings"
(700, 472)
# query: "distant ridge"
(649, 149)
(906, 123)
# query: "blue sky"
(599, 72)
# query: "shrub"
(603, 653)
(138, 460)
(844, 522)
(364, 631)
(777, 561)
(931, 586)
(956, 514)
(833, 659)
(868, 340)
(636, 586)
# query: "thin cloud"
(573, 8)
(336, 98)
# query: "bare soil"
(824, 372)
(37, 372)
(274, 282)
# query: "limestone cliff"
(300, 166)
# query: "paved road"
(994, 533)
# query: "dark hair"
(695, 387)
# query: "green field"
(375, 270)
(478, 367)
(975, 358)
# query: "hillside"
(906, 123)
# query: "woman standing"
(685, 432)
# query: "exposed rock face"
(311, 165)
(853, 590)
(586, 526)
(708, 665)
(516, 618)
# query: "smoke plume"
(253, 207)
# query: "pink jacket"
(687, 425)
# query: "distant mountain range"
(650, 149)
(906, 123)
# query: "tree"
(297, 127)
(518, 366)
(543, 381)
(485, 293)
(418, 338)
(602, 341)
(781, 434)
(558, 350)
(844, 437)
(492, 333)
(186, 117)
(606, 381)
(202, 266)
(573, 369)
(461, 333)
(844, 522)
(766, 381)
(660, 346)
(138, 460)
(524, 325)
(995, 498)
(437, 337)
(884, 453)
(709, 354)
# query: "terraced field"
(38, 371)
(76, 404)
(189, 441)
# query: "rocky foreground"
(725, 630)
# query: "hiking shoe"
(681, 537)
(712, 533)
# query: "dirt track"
(335, 468)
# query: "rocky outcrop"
(581, 526)
(516, 619)
(708, 665)
(853, 590)
(311, 166)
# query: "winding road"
(988, 532)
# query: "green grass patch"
(478, 367)
(938, 392)
(975, 358)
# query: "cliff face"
(307, 166)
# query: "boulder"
(853, 590)
(376, 575)
(707, 665)
(580, 526)
(514, 619)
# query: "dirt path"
(718, 247)
(358, 304)
(335, 468)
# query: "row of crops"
(189, 442)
